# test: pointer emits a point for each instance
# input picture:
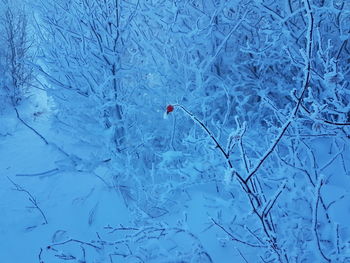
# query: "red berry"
(169, 108)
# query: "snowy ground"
(80, 207)
(76, 205)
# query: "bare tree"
(17, 51)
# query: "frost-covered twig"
(310, 179)
(31, 128)
(315, 218)
(240, 253)
(322, 120)
(73, 241)
(31, 198)
(334, 201)
(84, 253)
(39, 256)
(121, 228)
(46, 173)
(307, 77)
(223, 43)
(217, 144)
(336, 123)
(267, 208)
(243, 154)
(234, 238)
(296, 168)
(236, 137)
(270, 150)
(337, 233)
(267, 226)
(332, 159)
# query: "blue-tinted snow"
(253, 164)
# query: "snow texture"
(171, 131)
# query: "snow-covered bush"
(261, 97)
(16, 74)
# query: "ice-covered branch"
(223, 43)
(210, 134)
(72, 240)
(234, 238)
(30, 127)
(315, 218)
(267, 208)
(31, 198)
(270, 150)
(46, 173)
(306, 81)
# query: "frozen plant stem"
(315, 220)
(266, 221)
(40, 257)
(234, 238)
(72, 240)
(266, 226)
(306, 81)
(31, 128)
(217, 144)
(31, 198)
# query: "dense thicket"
(261, 96)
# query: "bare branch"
(31, 198)
(234, 238)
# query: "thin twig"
(49, 172)
(217, 144)
(315, 219)
(306, 82)
(40, 259)
(271, 202)
(31, 128)
(240, 253)
(31, 198)
(74, 241)
(234, 238)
